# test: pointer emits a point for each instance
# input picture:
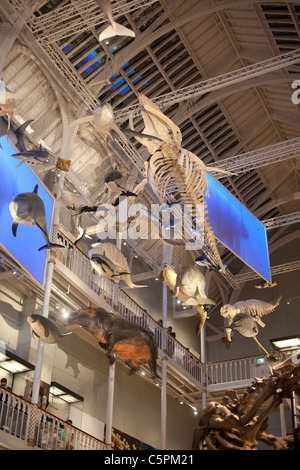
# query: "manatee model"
(128, 340)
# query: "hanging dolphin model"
(110, 262)
(32, 156)
(44, 330)
(28, 209)
(114, 29)
(17, 135)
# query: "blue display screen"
(236, 228)
(13, 181)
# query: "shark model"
(32, 156)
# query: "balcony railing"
(236, 371)
(116, 298)
(36, 427)
(210, 374)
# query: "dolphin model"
(114, 28)
(108, 260)
(32, 156)
(28, 209)
(44, 330)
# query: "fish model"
(32, 156)
(44, 330)
(109, 261)
(190, 287)
(128, 340)
(254, 307)
(114, 28)
(28, 209)
(15, 136)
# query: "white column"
(47, 294)
(203, 359)
(111, 385)
(167, 257)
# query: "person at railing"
(171, 345)
(42, 399)
(4, 405)
(69, 442)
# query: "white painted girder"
(79, 16)
(215, 83)
(258, 158)
(275, 270)
(282, 220)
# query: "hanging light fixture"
(14, 364)
(64, 393)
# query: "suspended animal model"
(114, 29)
(254, 307)
(246, 325)
(265, 284)
(15, 136)
(189, 288)
(173, 170)
(103, 119)
(69, 199)
(40, 156)
(44, 329)
(128, 340)
(108, 260)
(112, 181)
(28, 209)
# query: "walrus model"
(119, 336)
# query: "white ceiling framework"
(221, 70)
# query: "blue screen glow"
(237, 228)
(24, 247)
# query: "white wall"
(83, 369)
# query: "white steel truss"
(79, 16)
(212, 84)
(275, 270)
(261, 157)
(282, 220)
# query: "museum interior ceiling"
(225, 73)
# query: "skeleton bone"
(174, 170)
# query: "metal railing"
(116, 298)
(37, 427)
(235, 370)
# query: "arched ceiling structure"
(248, 52)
